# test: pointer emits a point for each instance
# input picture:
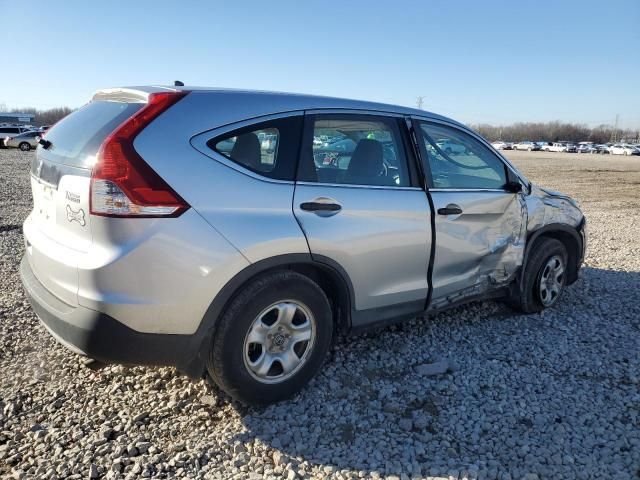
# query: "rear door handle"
(320, 207)
(450, 209)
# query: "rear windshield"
(75, 140)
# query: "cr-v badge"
(77, 216)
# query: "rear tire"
(24, 146)
(253, 335)
(544, 277)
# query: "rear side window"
(77, 137)
(354, 149)
(9, 130)
(268, 148)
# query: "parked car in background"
(623, 149)
(557, 147)
(9, 131)
(450, 147)
(24, 141)
(132, 258)
(526, 145)
(586, 147)
(601, 148)
(544, 146)
(499, 145)
(571, 147)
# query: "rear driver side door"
(359, 203)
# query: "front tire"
(272, 338)
(24, 146)
(544, 277)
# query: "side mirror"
(513, 186)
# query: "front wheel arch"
(566, 234)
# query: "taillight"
(122, 183)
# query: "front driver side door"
(480, 220)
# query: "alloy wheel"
(551, 280)
(279, 341)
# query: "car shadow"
(506, 403)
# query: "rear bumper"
(99, 336)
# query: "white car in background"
(557, 147)
(622, 149)
(450, 147)
(501, 145)
(529, 146)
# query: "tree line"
(547, 131)
(556, 131)
(42, 117)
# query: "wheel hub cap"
(551, 280)
(279, 341)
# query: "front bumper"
(99, 336)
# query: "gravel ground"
(555, 395)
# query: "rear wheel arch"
(329, 276)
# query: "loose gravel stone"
(553, 395)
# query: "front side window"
(355, 150)
(457, 160)
(268, 148)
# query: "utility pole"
(420, 102)
(614, 135)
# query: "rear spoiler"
(129, 94)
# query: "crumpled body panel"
(484, 247)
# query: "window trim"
(509, 170)
(395, 119)
(200, 140)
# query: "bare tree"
(552, 132)
(42, 117)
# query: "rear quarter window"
(75, 140)
(268, 148)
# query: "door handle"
(320, 207)
(450, 209)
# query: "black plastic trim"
(362, 320)
(421, 156)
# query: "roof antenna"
(178, 83)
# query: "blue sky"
(477, 61)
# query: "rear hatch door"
(58, 231)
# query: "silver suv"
(235, 233)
